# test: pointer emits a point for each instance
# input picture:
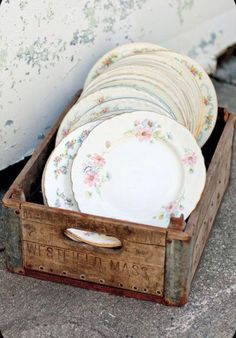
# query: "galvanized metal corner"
(178, 268)
(13, 248)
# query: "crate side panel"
(222, 153)
(53, 235)
(202, 218)
(221, 182)
(123, 230)
(89, 266)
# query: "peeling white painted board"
(47, 48)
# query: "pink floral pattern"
(61, 162)
(195, 71)
(100, 100)
(192, 68)
(174, 208)
(207, 99)
(148, 131)
(99, 113)
(190, 160)
(94, 175)
(109, 60)
(91, 178)
(209, 120)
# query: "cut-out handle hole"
(93, 239)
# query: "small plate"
(119, 53)
(141, 167)
(93, 238)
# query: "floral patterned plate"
(140, 167)
(94, 100)
(119, 53)
(165, 92)
(181, 75)
(208, 94)
(93, 238)
(56, 181)
(114, 107)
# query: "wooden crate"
(153, 264)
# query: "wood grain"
(138, 233)
(153, 263)
(113, 270)
(202, 218)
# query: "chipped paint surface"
(46, 52)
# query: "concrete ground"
(31, 308)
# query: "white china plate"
(208, 94)
(93, 100)
(93, 238)
(165, 92)
(140, 167)
(56, 180)
(180, 74)
(119, 53)
(114, 107)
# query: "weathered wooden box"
(152, 264)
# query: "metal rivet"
(82, 276)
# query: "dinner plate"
(56, 180)
(130, 81)
(118, 53)
(167, 94)
(162, 75)
(114, 107)
(140, 167)
(208, 94)
(95, 99)
(179, 73)
(92, 238)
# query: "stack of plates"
(130, 147)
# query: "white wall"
(48, 46)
